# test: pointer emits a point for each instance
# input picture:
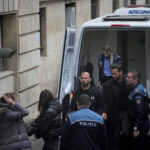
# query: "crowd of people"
(113, 117)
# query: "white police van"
(127, 30)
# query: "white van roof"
(123, 17)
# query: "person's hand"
(136, 134)
(9, 100)
(104, 115)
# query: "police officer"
(137, 110)
(84, 129)
(96, 98)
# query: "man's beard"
(85, 85)
(118, 78)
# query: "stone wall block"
(1, 6)
(33, 113)
(30, 96)
(29, 42)
(11, 5)
(28, 24)
(28, 7)
(6, 84)
(29, 60)
(140, 2)
(29, 78)
(16, 4)
(6, 4)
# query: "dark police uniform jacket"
(84, 130)
(138, 108)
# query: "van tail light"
(71, 95)
(120, 25)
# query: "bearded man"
(115, 99)
(95, 94)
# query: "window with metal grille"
(1, 60)
(125, 3)
(94, 8)
(70, 15)
(115, 4)
(43, 44)
(133, 2)
(8, 40)
(147, 1)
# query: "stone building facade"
(35, 29)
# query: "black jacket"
(115, 97)
(48, 125)
(96, 99)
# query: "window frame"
(67, 5)
(1, 60)
(43, 32)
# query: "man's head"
(83, 101)
(85, 80)
(116, 71)
(133, 77)
(107, 50)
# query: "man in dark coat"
(84, 129)
(115, 99)
(95, 94)
(13, 134)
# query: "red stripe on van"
(120, 25)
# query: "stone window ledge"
(4, 74)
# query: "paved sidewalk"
(37, 144)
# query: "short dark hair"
(86, 72)
(116, 66)
(83, 100)
(136, 74)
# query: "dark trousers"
(117, 130)
(113, 131)
(137, 143)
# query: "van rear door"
(66, 77)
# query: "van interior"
(132, 45)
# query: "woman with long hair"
(48, 125)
